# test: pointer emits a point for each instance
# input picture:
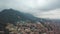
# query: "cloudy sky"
(39, 8)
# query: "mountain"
(13, 16)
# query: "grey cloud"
(51, 6)
(14, 4)
(28, 7)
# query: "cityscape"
(29, 16)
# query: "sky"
(38, 8)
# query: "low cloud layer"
(53, 14)
(38, 8)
